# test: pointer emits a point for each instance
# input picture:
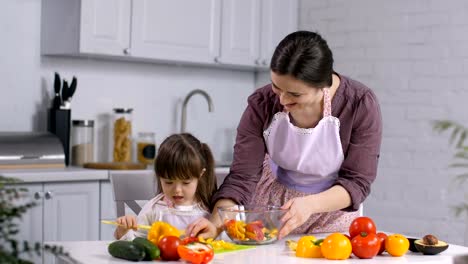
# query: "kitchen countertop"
(96, 252)
(73, 174)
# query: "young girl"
(186, 181)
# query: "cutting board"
(236, 248)
(114, 166)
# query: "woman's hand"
(299, 210)
(202, 227)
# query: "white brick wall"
(414, 55)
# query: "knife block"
(59, 122)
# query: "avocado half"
(430, 249)
(412, 247)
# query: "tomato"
(336, 246)
(254, 231)
(196, 252)
(382, 237)
(362, 224)
(309, 247)
(396, 245)
(365, 246)
(168, 247)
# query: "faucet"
(183, 119)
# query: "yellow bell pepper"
(309, 247)
(161, 229)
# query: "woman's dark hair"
(182, 157)
(306, 56)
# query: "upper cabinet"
(88, 27)
(176, 30)
(279, 18)
(240, 32)
(234, 33)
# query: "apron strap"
(326, 102)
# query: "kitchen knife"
(64, 92)
(57, 99)
(72, 90)
(146, 227)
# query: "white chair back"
(129, 187)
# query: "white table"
(96, 252)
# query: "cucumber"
(126, 250)
(151, 250)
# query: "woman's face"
(180, 192)
(294, 94)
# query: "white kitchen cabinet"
(108, 211)
(240, 32)
(279, 18)
(212, 32)
(85, 27)
(176, 30)
(251, 30)
(64, 211)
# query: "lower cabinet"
(64, 212)
(108, 211)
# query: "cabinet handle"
(216, 59)
(38, 195)
(48, 195)
(126, 51)
(265, 63)
(257, 62)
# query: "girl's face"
(294, 94)
(180, 192)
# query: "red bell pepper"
(196, 252)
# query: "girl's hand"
(299, 211)
(127, 222)
(202, 227)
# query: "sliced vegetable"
(161, 229)
(196, 252)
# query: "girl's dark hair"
(182, 157)
(306, 56)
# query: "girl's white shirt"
(161, 209)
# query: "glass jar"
(82, 142)
(122, 135)
(146, 147)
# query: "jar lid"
(123, 110)
(86, 123)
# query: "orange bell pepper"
(196, 252)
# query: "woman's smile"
(288, 107)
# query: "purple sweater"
(358, 110)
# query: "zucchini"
(151, 250)
(126, 250)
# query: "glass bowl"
(252, 224)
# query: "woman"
(308, 142)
